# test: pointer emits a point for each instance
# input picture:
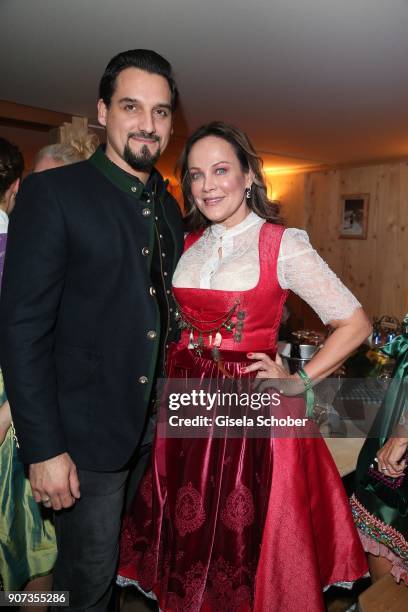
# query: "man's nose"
(146, 123)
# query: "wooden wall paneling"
(321, 192)
(375, 269)
(387, 267)
(359, 255)
(321, 215)
(394, 251)
(403, 238)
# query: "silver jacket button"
(151, 334)
(143, 380)
(146, 212)
(145, 251)
(152, 291)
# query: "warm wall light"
(276, 169)
(271, 192)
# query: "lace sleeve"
(303, 271)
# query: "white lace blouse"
(228, 259)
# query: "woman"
(381, 511)
(27, 543)
(239, 523)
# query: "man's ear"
(102, 112)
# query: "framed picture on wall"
(354, 215)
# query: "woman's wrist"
(297, 383)
(304, 376)
(307, 385)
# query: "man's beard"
(144, 160)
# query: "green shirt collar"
(123, 180)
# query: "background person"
(62, 154)
(27, 542)
(380, 511)
(29, 549)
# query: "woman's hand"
(277, 376)
(390, 457)
(265, 366)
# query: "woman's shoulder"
(289, 235)
(296, 233)
(295, 241)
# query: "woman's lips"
(212, 201)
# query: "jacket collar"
(123, 180)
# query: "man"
(86, 314)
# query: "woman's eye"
(195, 176)
(221, 171)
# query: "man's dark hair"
(144, 59)
(11, 165)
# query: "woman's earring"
(248, 193)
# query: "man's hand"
(55, 482)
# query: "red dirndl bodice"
(238, 524)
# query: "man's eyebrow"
(129, 100)
(135, 100)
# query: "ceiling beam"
(31, 117)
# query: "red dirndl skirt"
(238, 524)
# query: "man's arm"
(32, 286)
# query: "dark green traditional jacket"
(86, 309)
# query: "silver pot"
(296, 356)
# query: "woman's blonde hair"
(76, 150)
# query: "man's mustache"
(145, 135)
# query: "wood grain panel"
(375, 269)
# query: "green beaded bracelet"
(307, 381)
